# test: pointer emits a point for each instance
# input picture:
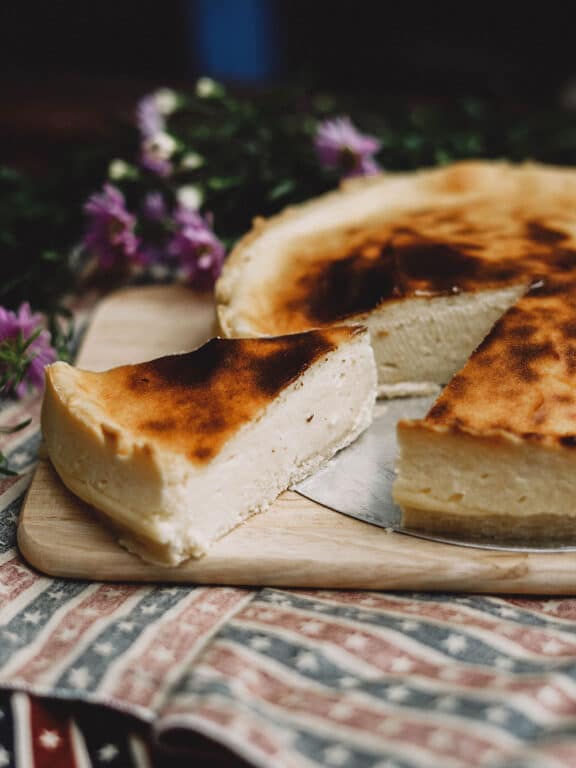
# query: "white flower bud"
(118, 169)
(206, 87)
(167, 100)
(161, 145)
(190, 196)
(191, 161)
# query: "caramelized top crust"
(468, 227)
(522, 379)
(193, 403)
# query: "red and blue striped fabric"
(99, 674)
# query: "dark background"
(374, 45)
(69, 68)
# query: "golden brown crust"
(521, 381)
(428, 252)
(468, 227)
(193, 403)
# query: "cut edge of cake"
(492, 485)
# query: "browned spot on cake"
(523, 356)
(458, 386)
(524, 374)
(439, 411)
(540, 232)
(484, 359)
(388, 267)
(486, 227)
(568, 441)
(570, 358)
(522, 331)
(562, 399)
(569, 329)
(564, 260)
(193, 403)
(158, 425)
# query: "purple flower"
(148, 117)
(157, 165)
(340, 145)
(110, 231)
(154, 207)
(16, 328)
(196, 248)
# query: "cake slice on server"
(177, 451)
(496, 454)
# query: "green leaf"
(16, 428)
(282, 189)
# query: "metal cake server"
(358, 480)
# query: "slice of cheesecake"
(427, 260)
(496, 454)
(177, 451)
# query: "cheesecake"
(178, 451)
(428, 261)
(495, 457)
(465, 276)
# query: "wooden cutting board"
(297, 543)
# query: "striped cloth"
(280, 677)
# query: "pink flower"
(110, 231)
(16, 328)
(196, 248)
(340, 145)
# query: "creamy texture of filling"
(183, 506)
(487, 486)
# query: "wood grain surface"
(296, 543)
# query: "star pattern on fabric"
(398, 693)
(107, 753)
(440, 739)
(341, 710)
(336, 755)
(356, 642)
(104, 649)
(447, 703)
(503, 662)
(312, 627)
(49, 739)
(162, 655)
(455, 644)
(497, 714)
(67, 633)
(32, 617)
(409, 625)
(365, 649)
(402, 664)
(552, 646)
(79, 677)
(260, 643)
(307, 661)
(209, 608)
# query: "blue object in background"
(234, 40)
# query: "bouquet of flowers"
(208, 153)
